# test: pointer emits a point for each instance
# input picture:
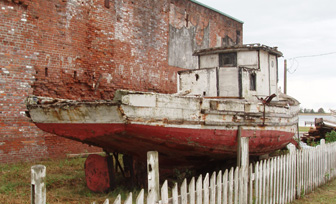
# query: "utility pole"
(285, 76)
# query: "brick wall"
(80, 49)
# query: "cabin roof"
(235, 48)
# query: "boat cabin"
(242, 71)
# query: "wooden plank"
(117, 200)
(175, 194)
(239, 146)
(199, 190)
(225, 186)
(236, 184)
(219, 187)
(231, 186)
(141, 197)
(285, 183)
(206, 189)
(151, 198)
(245, 165)
(213, 188)
(241, 186)
(184, 195)
(298, 173)
(275, 182)
(280, 200)
(289, 178)
(129, 199)
(164, 192)
(256, 183)
(153, 174)
(192, 192)
(251, 179)
(294, 175)
(271, 169)
(107, 201)
(264, 181)
(311, 170)
(305, 171)
(38, 187)
(267, 168)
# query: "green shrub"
(330, 137)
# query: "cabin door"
(228, 82)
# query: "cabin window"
(228, 59)
(253, 81)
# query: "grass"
(304, 129)
(65, 183)
(325, 194)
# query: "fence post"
(153, 175)
(244, 165)
(38, 188)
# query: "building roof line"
(218, 11)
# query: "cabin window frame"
(227, 59)
(253, 81)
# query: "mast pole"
(285, 76)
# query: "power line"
(317, 55)
(295, 61)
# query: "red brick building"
(80, 49)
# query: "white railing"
(279, 179)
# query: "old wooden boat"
(232, 87)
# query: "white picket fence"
(276, 180)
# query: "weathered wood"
(236, 184)
(117, 200)
(264, 181)
(199, 190)
(241, 186)
(38, 188)
(239, 147)
(280, 200)
(175, 194)
(151, 198)
(256, 182)
(271, 169)
(192, 191)
(251, 179)
(213, 188)
(225, 187)
(206, 189)
(267, 181)
(244, 166)
(231, 185)
(153, 174)
(164, 192)
(129, 199)
(219, 187)
(184, 195)
(141, 197)
(107, 201)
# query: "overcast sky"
(304, 31)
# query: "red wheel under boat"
(97, 173)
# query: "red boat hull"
(177, 146)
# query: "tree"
(320, 110)
(312, 111)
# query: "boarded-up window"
(228, 59)
(253, 81)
